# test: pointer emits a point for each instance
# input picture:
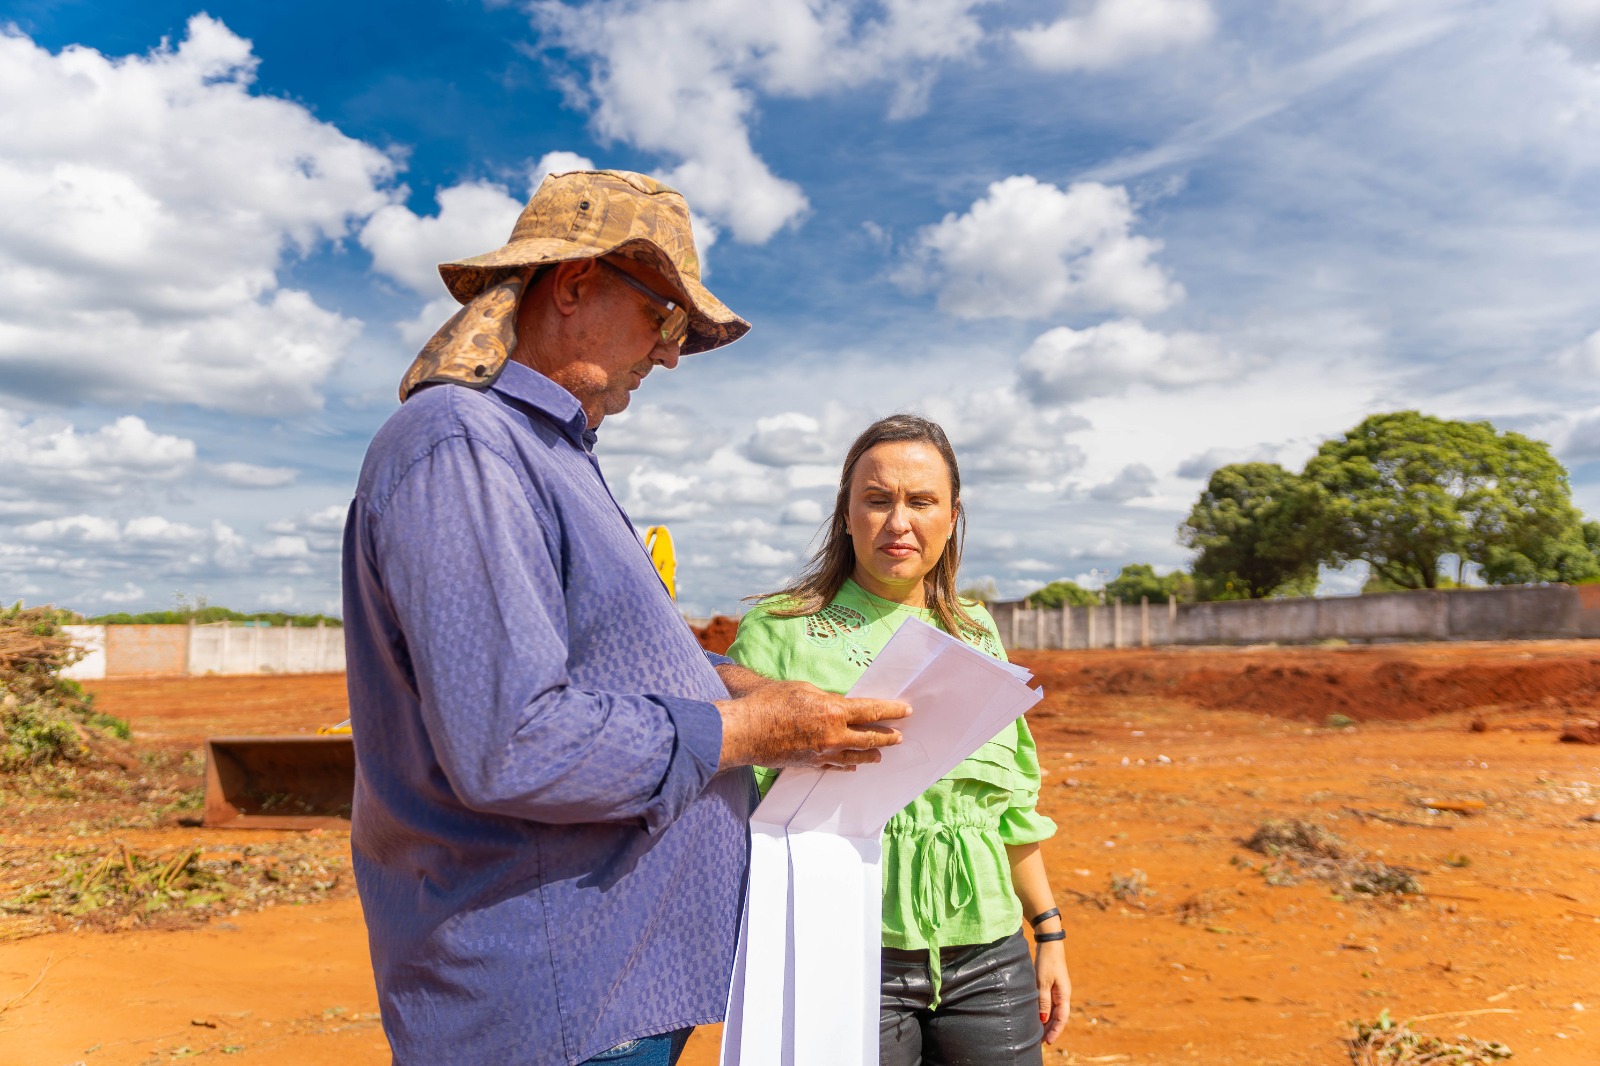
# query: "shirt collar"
(528, 388)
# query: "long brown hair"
(835, 561)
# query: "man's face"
(609, 333)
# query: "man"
(551, 796)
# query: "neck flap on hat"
(472, 348)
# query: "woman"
(961, 863)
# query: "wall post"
(1066, 626)
(1116, 623)
(1144, 621)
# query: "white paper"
(806, 977)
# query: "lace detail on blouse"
(983, 640)
(835, 628)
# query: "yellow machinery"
(659, 542)
(308, 782)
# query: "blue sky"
(1111, 244)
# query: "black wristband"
(1040, 919)
(1045, 938)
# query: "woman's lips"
(899, 551)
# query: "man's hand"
(792, 723)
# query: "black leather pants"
(988, 1011)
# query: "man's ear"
(571, 282)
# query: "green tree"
(1255, 527)
(1404, 490)
(1139, 581)
(1063, 594)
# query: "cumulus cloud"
(669, 432)
(51, 465)
(803, 512)
(151, 202)
(1581, 358)
(998, 436)
(321, 530)
(1576, 24)
(1029, 249)
(558, 162)
(679, 78)
(473, 218)
(1134, 481)
(1202, 465)
(251, 476)
(1064, 364)
(791, 439)
(92, 552)
(1108, 33)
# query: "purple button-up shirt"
(548, 861)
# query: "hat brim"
(711, 323)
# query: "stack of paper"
(805, 980)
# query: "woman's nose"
(899, 520)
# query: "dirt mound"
(1312, 683)
(717, 635)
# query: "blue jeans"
(662, 1050)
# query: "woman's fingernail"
(1043, 1017)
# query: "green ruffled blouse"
(946, 875)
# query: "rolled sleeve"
(471, 566)
(1025, 825)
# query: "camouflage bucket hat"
(582, 214)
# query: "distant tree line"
(206, 615)
(1404, 492)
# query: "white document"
(806, 976)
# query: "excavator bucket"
(280, 782)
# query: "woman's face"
(901, 516)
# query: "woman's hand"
(1055, 988)
(1032, 885)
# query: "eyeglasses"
(674, 319)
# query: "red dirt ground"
(718, 634)
(1159, 761)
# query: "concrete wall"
(229, 649)
(91, 640)
(146, 651)
(1504, 613)
(221, 648)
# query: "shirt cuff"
(719, 660)
(1025, 825)
(695, 755)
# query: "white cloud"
(998, 436)
(1112, 32)
(79, 529)
(251, 476)
(1581, 358)
(803, 513)
(760, 555)
(1135, 481)
(1065, 364)
(679, 78)
(557, 162)
(1029, 250)
(669, 432)
(51, 465)
(473, 218)
(150, 202)
(319, 531)
(1202, 465)
(1576, 24)
(791, 439)
(128, 593)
